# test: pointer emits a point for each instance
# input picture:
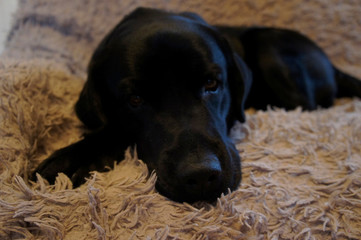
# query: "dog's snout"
(202, 177)
(201, 180)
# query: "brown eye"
(211, 85)
(135, 101)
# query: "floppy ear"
(240, 81)
(89, 108)
(94, 106)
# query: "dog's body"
(174, 85)
(289, 70)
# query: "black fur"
(173, 86)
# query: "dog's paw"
(55, 164)
(76, 161)
(67, 161)
(95, 152)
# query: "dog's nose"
(201, 180)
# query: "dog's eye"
(135, 101)
(211, 85)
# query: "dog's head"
(170, 84)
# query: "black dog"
(174, 85)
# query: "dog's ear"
(240, 81)
(94, 106)
(89, 108)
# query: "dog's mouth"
(184, 194)
(205, 181)
(198, 165)
(181, 194)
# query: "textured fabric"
(301, 170)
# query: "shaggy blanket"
(301, 170)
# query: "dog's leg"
(95, 152)
(347, 85)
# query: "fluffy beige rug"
(301, 170)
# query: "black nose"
(201, 180)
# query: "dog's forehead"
(172, 50)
